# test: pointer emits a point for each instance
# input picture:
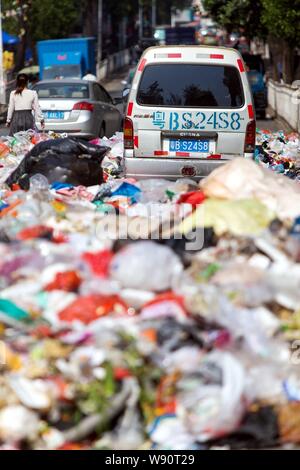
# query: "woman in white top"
(23, 103)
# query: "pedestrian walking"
(24, 108)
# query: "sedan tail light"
(250, 137)
(128, 134)
(83, 106)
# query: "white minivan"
(189, 110)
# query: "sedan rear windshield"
(63, 91)
(191, 85)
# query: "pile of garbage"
(151, 314)
(13, 149)
(279, 151)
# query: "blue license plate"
(54, 115)
(199, 146)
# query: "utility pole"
(2, 88)
(153, 16)
(99, 41)
(141, 19)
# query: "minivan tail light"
(83, 106)
(128, 134)
(250, 137)
(250, 111)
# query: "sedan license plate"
(196, 146)
(54, 114)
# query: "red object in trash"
(165, 399)
(194, 198)
(91, 307)
(163, 305)
(42, 331)
(68, 281)
(99, 262)
(72, 446)
(121, 373)
(166, 296)
(37, 231)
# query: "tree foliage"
(44, 19)
(235, 15)
(53, 19)
(277, 20)
(35, 20)
(282, 19)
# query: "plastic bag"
(99, 262)
(63, 160)
(146, 265)
(241, 217)
(4, 150)
(18, 423)
(154, 190)
(243, 179)
(91, 307)
(210, 401)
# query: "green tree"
(282, 19)
(276, 20)
(235, 15)
(51, 19)
(34, 20)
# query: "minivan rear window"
(191, 85)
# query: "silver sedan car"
(79, 108)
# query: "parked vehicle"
(256, 74)
(259, 91)
(79, 108)
(190, 109)
(66, 58)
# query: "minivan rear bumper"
(140, 168)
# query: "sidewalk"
(273, 123)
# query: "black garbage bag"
(68, 160)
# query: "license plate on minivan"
(197, 146)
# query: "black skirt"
(21, 121)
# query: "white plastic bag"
(146, 265)
(212, 408)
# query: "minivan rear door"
(190, 110)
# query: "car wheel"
(102, 131)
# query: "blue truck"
(66, 58)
